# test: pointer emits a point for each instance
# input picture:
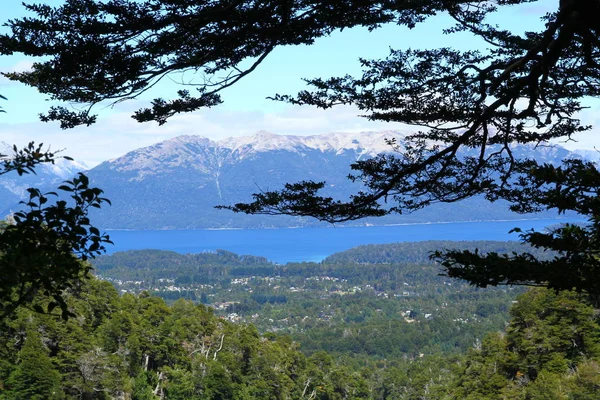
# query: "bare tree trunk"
(305, 387)
(220, 347)
(158, 389)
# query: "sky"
(245, 110)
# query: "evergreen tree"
(549, 351)
(34, 377)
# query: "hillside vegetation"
(329, 343)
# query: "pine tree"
(34, 377)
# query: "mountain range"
(175, 184)
(13, 187)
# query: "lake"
(314, 244)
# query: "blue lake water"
(314, 244)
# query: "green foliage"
(575, 186)
(34, 377)
(549, 351)
(47, 245)
(552, 332)
(140, 348)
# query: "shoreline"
(333, 226)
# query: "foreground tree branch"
(473, 106)
(112, 51)
(45, 246)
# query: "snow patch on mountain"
(5, 149)
(61, 168)
(364, 142)
(46, 176)
(195, 151)
(208, 156)
(592, 155)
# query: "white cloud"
(118, 133)
(18, 66)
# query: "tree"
(549, 351)
(472, 106)
(44, 247)
(35, 376)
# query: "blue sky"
(246, 109)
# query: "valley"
(341, 306)
(374, 322)
(377, 321)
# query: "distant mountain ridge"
(187, 148)
(14, 187)
(175, 184)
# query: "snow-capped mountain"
(592, 155)
(14, 187)
(364, 143)
(175, 184)
(198, 152)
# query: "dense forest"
(138, 347)
(335, 330)
(346, 305)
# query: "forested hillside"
(372, 301)
(420, 252)
(138, 347)
(386, 314)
